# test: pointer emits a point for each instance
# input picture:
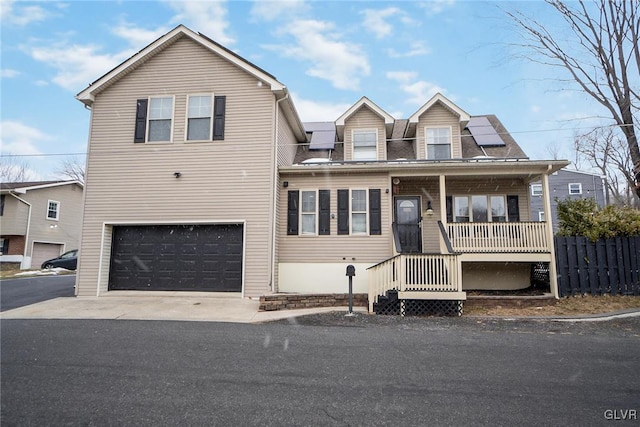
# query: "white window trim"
(535, 187)
(366, 212)
(541, 216)
(353, 144)
(301, 213)
(488, 197)
(57, 218)
(426, 143)
(173, 119)
(579, 184)
(186, 119)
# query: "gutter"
(26, 237)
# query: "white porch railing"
(434, 273)
(498, 236)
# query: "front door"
(407, 213)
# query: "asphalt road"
(16, 293)
(320, 371)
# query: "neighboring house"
(566, 184)
(201, 177)
(39, 220)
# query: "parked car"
(68, 260)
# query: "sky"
(328, 53)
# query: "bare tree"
(601, 54)
(72, 168)
(605, 150)
(14, 171)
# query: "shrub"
(583, 217)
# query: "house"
(40, 220)
(567, 184)
(201, 177)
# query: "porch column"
(553, 276)
(443, 200)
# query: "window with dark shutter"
(449, 201)
(343, 211)
(375, 212)
(141, 120)
(219, 106)
(513, 210)
(324, 212)
(292, 212)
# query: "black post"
(351, 271)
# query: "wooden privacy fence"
(606, 266)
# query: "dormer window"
(365, 144)
(438, 143)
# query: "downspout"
(274, 179)
(26, 237)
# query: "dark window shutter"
(141, 120)
(343, 211)
(292, 212)
(513, 209)
(219, 106)
(324, 226)
(5, 246)
(449, 200)
(2, 204)
(375, 212)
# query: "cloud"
(312, 111)
(272, 10)
(21, 16)
(77, 65)
(138, 37)
(416, 48)
(436, 6)
(206, 17)
(374, 21)
(317, 42)
(20, 139)
(7, 73)
(419, 91)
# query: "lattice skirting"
(418, 307)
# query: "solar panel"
(483, 132)
(323, 135)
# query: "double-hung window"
(480, 208)
(536, 189)
(359, 212)
(575, 188)
(438, 143)
(365, 144)
(308, 212)
(199, 115)
(160, 118)
(53, 210)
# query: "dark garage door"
(203, 257)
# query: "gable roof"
(365, 102)
(23, 187)
(438, 98)
(87, 96)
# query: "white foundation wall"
(321, 278)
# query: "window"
(365, 143)
(541, 216)
(575, 188)
(358, 211)
(4, 246)
(536, 189)
(438, 143)
(199, 118)
(53, 210)
(308, 213)
(480, 208)
(160, 117)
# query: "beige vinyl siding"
(15, 216)
(67, 228)
(427, 188)
(364, 118)
(335, 248)
(286, 140)
(438, 116)
(222, 181)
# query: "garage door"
(43, 252)
(177, 258)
